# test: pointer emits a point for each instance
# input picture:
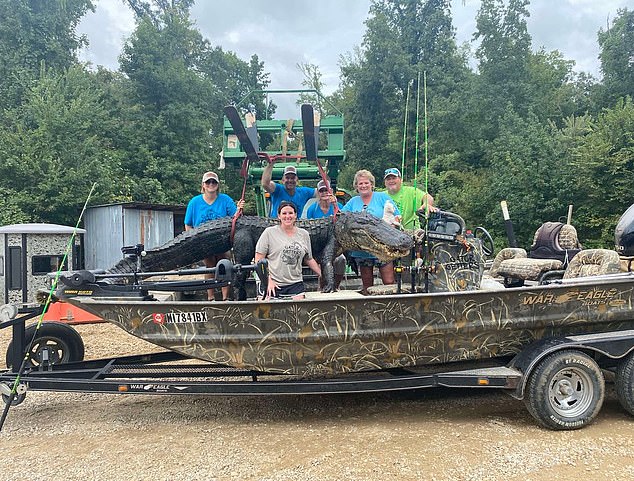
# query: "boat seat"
(593, 262)
(528, 269)
(516, 266)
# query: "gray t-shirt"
(285, 253)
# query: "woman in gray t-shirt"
(285, 246)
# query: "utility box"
(28, 252)
(112, 226)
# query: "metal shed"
(28, 252)
(112, 226)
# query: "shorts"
(369, 262)
(290, 290)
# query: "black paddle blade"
(308, 126)
(252, 130)
(238, 128)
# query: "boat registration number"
(179, 317)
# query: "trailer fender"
(613, 345)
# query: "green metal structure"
(282, 140)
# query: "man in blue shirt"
(289, 192)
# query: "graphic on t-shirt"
(208, 215)
(292, 253)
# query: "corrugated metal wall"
(110, 227)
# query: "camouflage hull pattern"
(339, 335)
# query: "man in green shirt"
(408, 199)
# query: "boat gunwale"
(601, 280)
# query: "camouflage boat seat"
(554, 245)
(593, 262)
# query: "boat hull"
(315, 337)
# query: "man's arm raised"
(267, 175)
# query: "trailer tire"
(565, 391)
(17, 399)
(625, 383)
(64, 342)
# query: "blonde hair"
(363, 173)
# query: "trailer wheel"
(63, 343)
(565, 390)
(625, 383)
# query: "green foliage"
(524, 126)
(604, 166)
(36, 34)
(617, 57)
(54, 148)
(403, 38)
(177, 85)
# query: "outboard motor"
(624, 233)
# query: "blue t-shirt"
(315, 212)
(302, 195)
(375, 207)
(199, 211)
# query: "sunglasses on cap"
(393, 171)
(211, 181)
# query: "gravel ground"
(432, 435)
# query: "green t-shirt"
(408, 199)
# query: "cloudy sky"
(284, 34)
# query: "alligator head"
(360, 231)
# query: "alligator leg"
(244, 252)
(328, 255)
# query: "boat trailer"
(559, 379)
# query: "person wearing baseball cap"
(288, 191)
(408, 199)
(324, 207)
(210, 204)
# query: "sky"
(284, 34)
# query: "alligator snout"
(364, 232)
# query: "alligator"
(350, 231)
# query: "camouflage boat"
(329, 334)
(450, 314)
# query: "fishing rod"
(405, 128)
(27, 354)
(426, 241)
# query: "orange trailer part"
(63, 312)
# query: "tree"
(403, 38)
(529, 172)
(604, 169)
(177, 87)
(503, 62)
(617, 57)
(36, 34)
(55, 148)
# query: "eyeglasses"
(211, 181)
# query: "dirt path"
(433, 435)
